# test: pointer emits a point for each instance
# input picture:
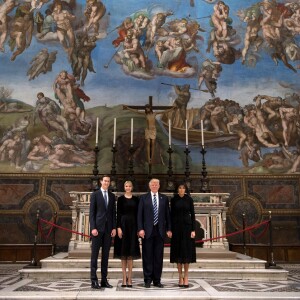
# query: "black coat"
(99, 214)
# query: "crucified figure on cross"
(150, 131)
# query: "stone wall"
(21, 196)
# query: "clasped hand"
(142, 234)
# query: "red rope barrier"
(261, 234)
(46, 237)
(50, 230)
(230, 234)
(63, 228)
(41, 229)
(199, 241)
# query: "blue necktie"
(105, 198)
(155, 210)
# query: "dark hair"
(105, 175)
(182, 184)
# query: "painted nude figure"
(5, 8)
(65, 33)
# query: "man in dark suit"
(153, 223)
(103, 228)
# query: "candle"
(170, 138)
(97, 128)
(115, 130)
(131, 136)
(202, 136)
(186, 134)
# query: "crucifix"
(150, 131)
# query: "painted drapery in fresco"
(232, 65)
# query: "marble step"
(116, 273)
(243, 268)
(201, 253)
(51, 263)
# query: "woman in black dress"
(183, 249)
(126, 245)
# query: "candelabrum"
(130, 166)
(187, 168)
(113, 172)
(204, 180)
(95, 177)
(170, 180)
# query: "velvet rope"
(261, 234)
(63, 228)
(46, 237)
(198, 241)
(230, 234)
(41, 229)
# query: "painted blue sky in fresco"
(112, 86)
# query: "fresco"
(171, 73)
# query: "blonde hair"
(154, 179)
(128, 182)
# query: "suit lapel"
(103, 200)
(149, 199)
(160, 204)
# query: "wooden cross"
(150, 103)
(151, 142)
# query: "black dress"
(183, 249)
(128, 246)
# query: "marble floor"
(12, 286)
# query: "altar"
(210, 212)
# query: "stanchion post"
(34, 260)
(271, 263)
(53, 250)
(244, 233)
(33, 263)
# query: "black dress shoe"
(186, 286)
(159, 285)
(95, 285)
(147, 285)
(105, 284)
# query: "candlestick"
(131, 135)
(115, 130)
(187, 168)
(97, 128)
(113, 172)
(131, 164)
(170, 138)
(202, 135)
(204, 180)
(95, 177)
(170, 181)
(186, 133)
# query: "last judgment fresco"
(151, 75)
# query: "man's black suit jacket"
(100, 215)
(146, 215)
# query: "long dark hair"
(185, 186)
